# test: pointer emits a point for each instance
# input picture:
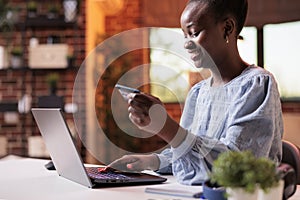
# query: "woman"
(238, 108)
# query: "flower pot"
(52, 15)
(31, 14)
(274, 193)
(16, 61)
(240, 193)
(52, 90)
(213, 192)
(70, 61)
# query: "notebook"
(67, 160)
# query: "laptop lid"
(67, 160)
(60, 145)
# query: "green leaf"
(243, 169)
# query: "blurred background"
(43, 45)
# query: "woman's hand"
(136, 163)
(148, 113)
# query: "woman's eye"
(193, 35)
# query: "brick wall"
(15, 83)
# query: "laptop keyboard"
(94, 173)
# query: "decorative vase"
(240, 193)
(274, 193)
(70, 10)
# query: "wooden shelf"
(42, 21)
(8, 106)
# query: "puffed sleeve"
(253, 122)
(256, 119)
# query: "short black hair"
(220, 8)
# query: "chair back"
(290, 168)
(291, 156)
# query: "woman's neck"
(228, 70)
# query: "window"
(281, 56)
(169, 72)
(247, 45)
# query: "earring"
(227, 39)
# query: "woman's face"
(200, 28)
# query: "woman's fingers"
(138, 117)
(142, 100)
(147, 112)
(138, 109)
(121, 163)
(138, 105)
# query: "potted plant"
(16, 56)
(53, 11)
(31, 9)
(12, 14)
(52, 100)
(52, 80)
(246, 177)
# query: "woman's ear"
(229, 28)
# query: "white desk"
(28, 179)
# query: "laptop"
(67, 160)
